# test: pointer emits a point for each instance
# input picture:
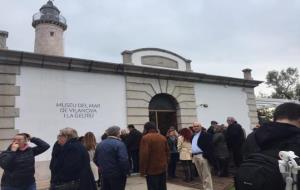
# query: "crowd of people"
(82, 163)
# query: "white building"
(41, 93)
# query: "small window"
(51, 33)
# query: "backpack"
(259, 172)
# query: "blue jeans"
(30, 187)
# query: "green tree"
(265, 115)
(285, 83)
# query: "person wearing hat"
(112, 158)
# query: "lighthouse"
(49, 27)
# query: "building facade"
(43, 92)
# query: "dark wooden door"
(163, 120)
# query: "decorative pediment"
(157, 58)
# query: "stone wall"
(251, 102)
(8, 111)
(139, 92)
(49, 39)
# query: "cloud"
(220, 37)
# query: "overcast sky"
(221, 37)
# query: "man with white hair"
(70, 163)
(112, 159)
(202, 152)
(235, 138)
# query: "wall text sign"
(78, 110)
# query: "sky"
(221, 37)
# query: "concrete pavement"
(139, 183)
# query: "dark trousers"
(157, 182)
(237, 156)
(222, 167)
(114, 183)
(187, 168)
(134, 160)
(172, 164)
(30, 187)
(71, 185)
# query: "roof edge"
(10, 57)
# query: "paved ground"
(218, 183)
(139, 183)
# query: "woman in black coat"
(18, 162)
(70, 164)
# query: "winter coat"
(112, 158)
(71, 162)
(235, 136)
(184, 149)
(274, 136)
(172, 142)
(204, 142)
(19, 165)
(93, 165)
(154, 154)
(220, 145)
(133, 140)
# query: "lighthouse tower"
(49, 29)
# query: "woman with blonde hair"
(89, 142)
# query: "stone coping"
(9, 57)
(156, 49)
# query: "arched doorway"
(163, 112)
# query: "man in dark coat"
(203, 157)
(133, 143)
(281, 135)
(211, 129)
(70, 163)
(235, 137)
(112, 159)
